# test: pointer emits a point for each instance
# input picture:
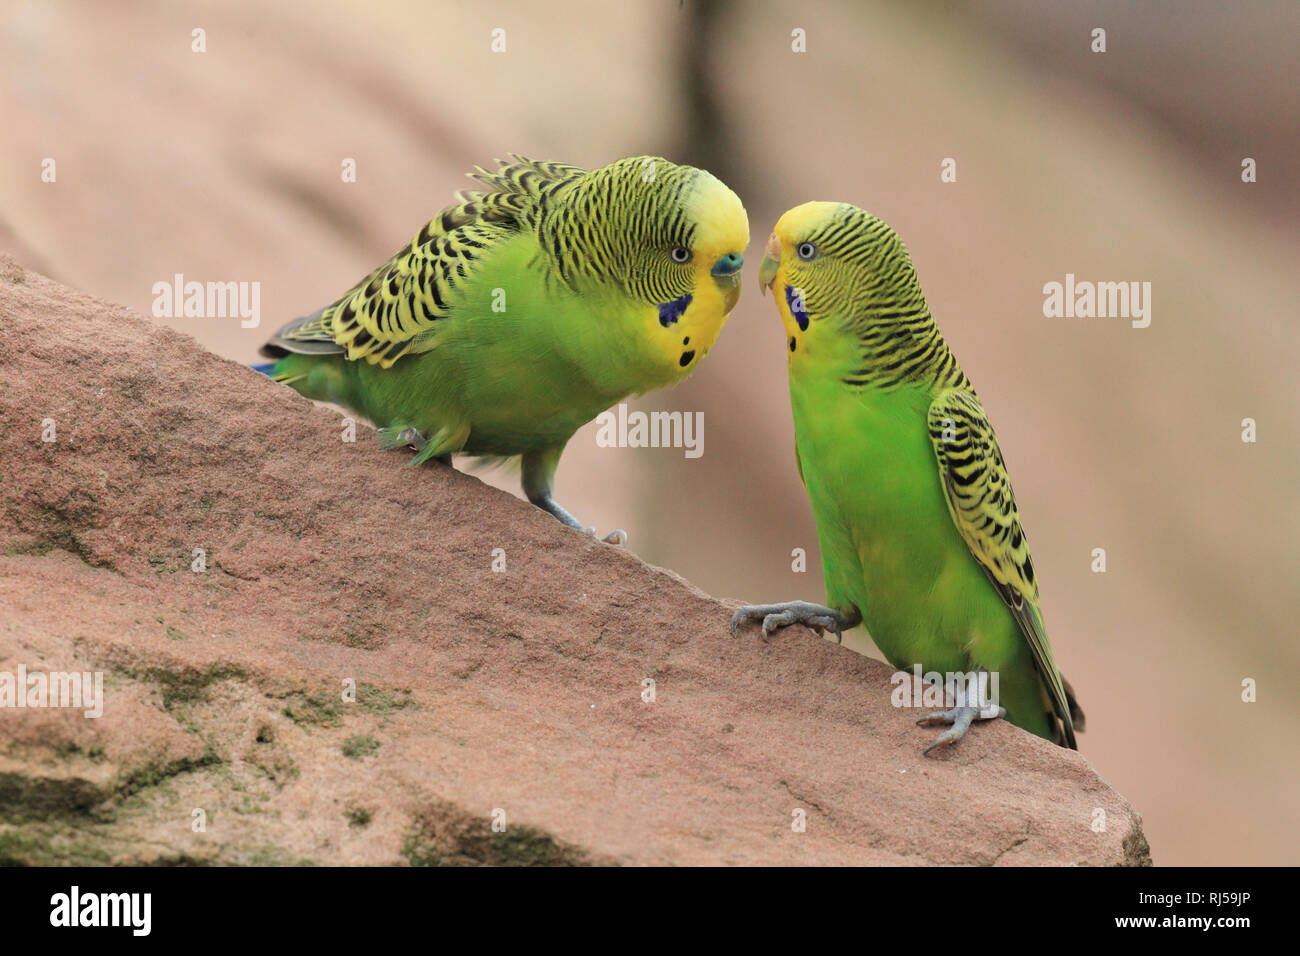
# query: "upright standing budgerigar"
(919, 533)
(528, 307)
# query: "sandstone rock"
(477, 691)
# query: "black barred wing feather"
(395, 309)
(982, 506)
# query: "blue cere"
(729, 264)
(793, 298)
(670, 312)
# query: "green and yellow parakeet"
(920, 537)
(521, 312)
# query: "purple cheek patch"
(794, 299)
(670, 312)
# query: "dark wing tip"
(284, 342)
(1077, 716)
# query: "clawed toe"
(741, 616)
(960, 717)
(776, 616)
(939, 717)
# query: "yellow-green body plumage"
(528, 307)
(502, 383)
(917, 525)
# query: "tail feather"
(276, 373)
(1076, 712)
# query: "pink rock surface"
(478, 691)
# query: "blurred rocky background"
(1117, 166)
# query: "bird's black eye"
(806, 251)
(680, 254)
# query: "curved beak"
(726, 273)
(729, 264)
(771, 262)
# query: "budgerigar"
(539, 299)
(919, 533)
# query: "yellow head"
(846, 291)
(672, 240)
(717, 253)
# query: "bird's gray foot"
(412, 437)
(776, 616)
(972, 705)
(553, 507)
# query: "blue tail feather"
(264, 367)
